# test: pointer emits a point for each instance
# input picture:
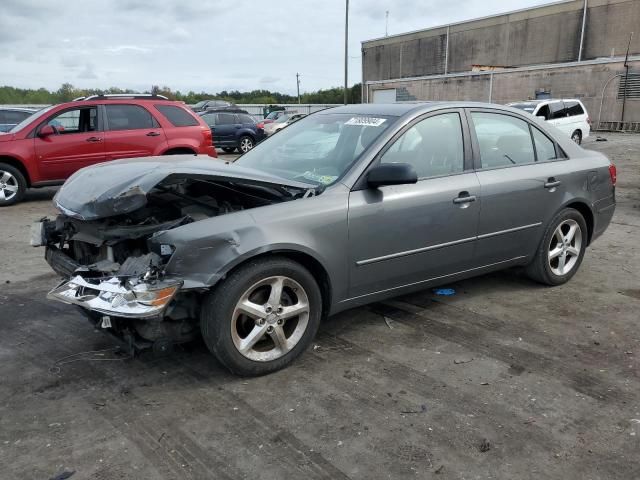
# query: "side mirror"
(46, 131)
(391, 174)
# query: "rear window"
(178, 116)
(128, 117)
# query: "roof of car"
(399, 109)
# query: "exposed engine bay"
(117, 274)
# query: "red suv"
(49, 146)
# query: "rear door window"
(226, 119)
(574, 108)
(177, 116)
(246, 119)
(558, 110)
(503, 140)
(129, 117)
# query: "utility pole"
(298, 83)
(386, 24)
(346, 50)
(626, 78)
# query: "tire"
(245, 144)
(229, 149)
(13, 185)
(577, 137)
(547, 267)
(268, 338)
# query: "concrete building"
(566, 49)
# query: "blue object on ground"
(447, 292)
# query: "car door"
(408, 234)
(559, 118)
(521, 172)
(225, 129)
(131, 131)
(78, 142)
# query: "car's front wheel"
(12, 185)
(246, 143)
(262, 316)
(562, 249)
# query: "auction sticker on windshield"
(321, 179)
(366, 121)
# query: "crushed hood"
(120, 187)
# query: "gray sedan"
(385, 200)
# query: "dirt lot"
(506, 379)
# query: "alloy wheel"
(246, 144)
(8, 186)
(565, 247)
(270, 319)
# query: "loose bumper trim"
(116, 297)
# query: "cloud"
(123, 49)
(268, 79)
(87, 73)
(205, 44)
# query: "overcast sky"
(208, 45)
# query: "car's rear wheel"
(561, 250)
(246, 143)
(229, 149)
(262, 316)
(577, 137)
(13, 185)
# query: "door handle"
(464, 197)
(94, 139)
(552, 183)
(153, 134)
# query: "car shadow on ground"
(39, 194)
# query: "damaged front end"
(105, 241)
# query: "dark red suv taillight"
(613, 173)
(261, 125)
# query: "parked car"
(232, 109)
(282, 122)
(255, 253)
(233, 131)
(273, 116)
(569, 116)
(50, 145)
(11, 116)
(213, 103)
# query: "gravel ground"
(506, 379)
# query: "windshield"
(273, 115)
(527, 107)
(200, 104)
(317, 149)
(30, 119)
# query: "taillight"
(613, 173)
(260, 125)
(208, 137)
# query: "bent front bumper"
(119, 298)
